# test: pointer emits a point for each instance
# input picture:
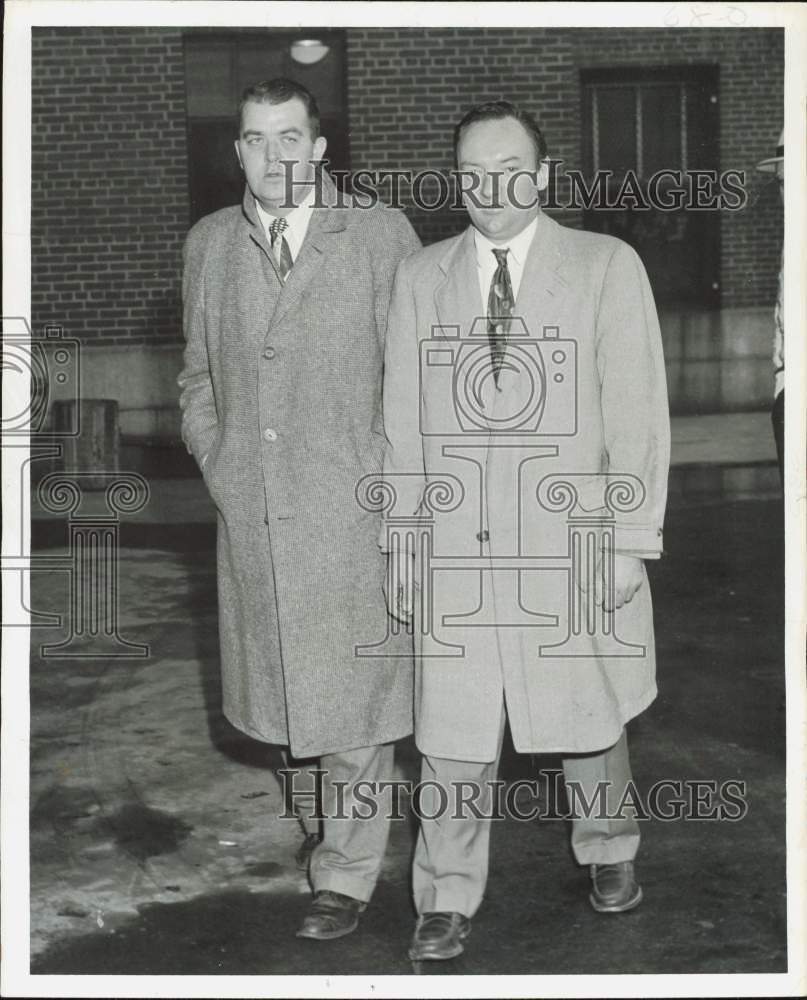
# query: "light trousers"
(450, 867)
(349, 857)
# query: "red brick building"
(132, 131)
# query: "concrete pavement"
(156, 845)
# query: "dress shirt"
(486, 265)
(298, 219)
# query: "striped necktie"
(280, 247)
(500, 310)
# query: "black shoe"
(614, 888)
(332, 915)
(439, 936)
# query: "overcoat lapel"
(542, 284)
(456, 297)
(543, 279)
(324, 223)
(258, 260)
(254, 230)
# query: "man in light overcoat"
(285, 307)
(524, 373)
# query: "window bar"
(684, 150)
(639, 164)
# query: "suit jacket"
(535, 467)
(281, 398)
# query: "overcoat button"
(269, 353)
(483, 536)
(269, 434)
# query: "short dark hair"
(278, 91)
(494, 110)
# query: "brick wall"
(751, 65)
(408, 87)
(109, 198)
(109, 186)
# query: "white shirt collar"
(518, 245)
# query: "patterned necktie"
(280, 248)
(501, 303)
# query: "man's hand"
(399, 586)
(628, 577)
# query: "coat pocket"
(209, 468)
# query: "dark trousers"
(778, 421)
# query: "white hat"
(768, 166)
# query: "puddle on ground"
(145, 832)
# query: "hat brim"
(769, 166)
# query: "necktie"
(500, 309)
(280, 248)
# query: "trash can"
(96, 447)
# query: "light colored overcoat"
(281, 401)
(585, 404)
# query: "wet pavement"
(155, 842)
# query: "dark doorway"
(218, 67)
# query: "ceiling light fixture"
(308, 51)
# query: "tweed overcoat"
(585, 404)
(281, 406)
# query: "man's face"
(503, 147)
(271, 133)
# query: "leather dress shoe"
(439, 935)
(614, 888)
(332, 915)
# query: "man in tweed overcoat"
(285, 307)
(577, 399)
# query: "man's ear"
(320, 145)
(542, 177)
(238, 154)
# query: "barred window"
(643, 127)
(640, 122)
